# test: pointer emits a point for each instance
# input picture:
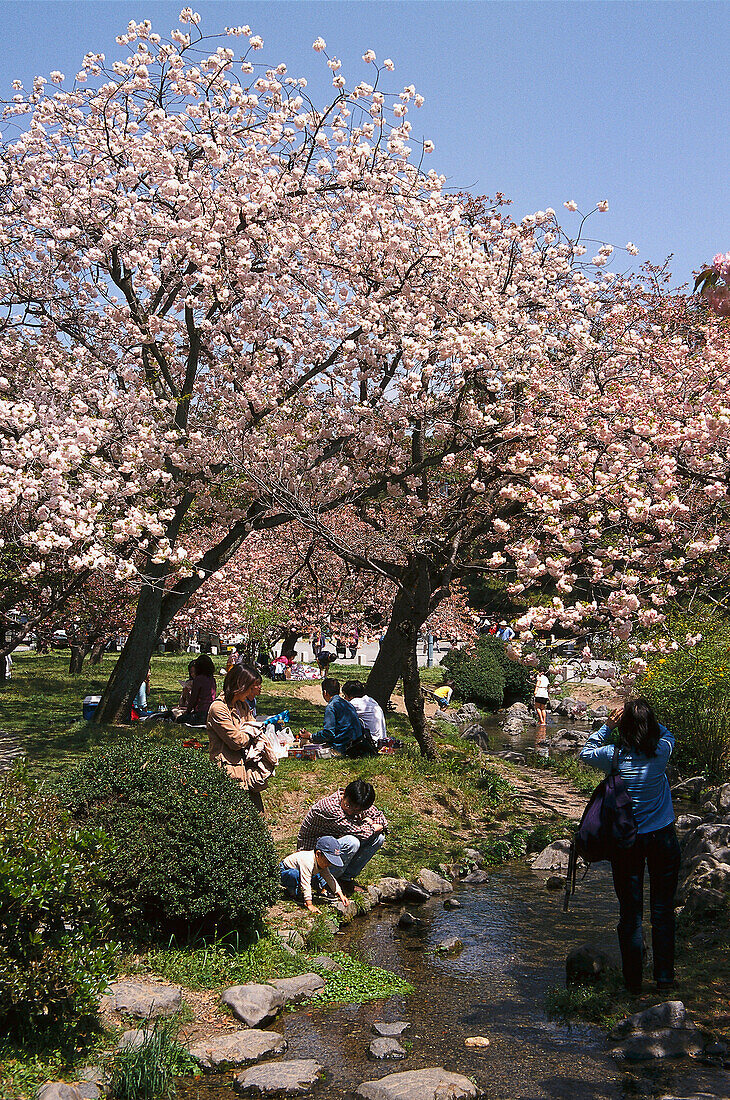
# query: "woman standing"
(644, 751)
(236, 742)
(542, 697)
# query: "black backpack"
(607, 825)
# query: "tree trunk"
(134, 660)
(78, 656)
(414, 697)
(397, 654)
(97, 651)
(289, 645)
(3, 662)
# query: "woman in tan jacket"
(236, 741)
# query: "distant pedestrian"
(542, 696)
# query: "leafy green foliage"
(357, 981)
(690, 691)
(221, 963)
(190, 848)
(54, 958)
(148, 1072)
(484, 674)
(603, 1004)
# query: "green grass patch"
(218, 964)
(582, 777)
(603, 1005)
(357, 981)
(148, 1072)
(25, 1067)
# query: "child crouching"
(298, 869)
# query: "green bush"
(192, 852)
(484, 674)
(54, 953)
(690, 691)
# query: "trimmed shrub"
(191, 848)
(54, 953)
(484, 674)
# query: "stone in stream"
(383, 1049)
(299, 988)
(253, 1003)
(391, 889)
(143, 999)
(433, 883)
(415, 926)
(646, 1046)
(420, 1084)
(292, 1078)
(452, 903)
(670, 1014)
(390, 1031)
(585, 965)
(553, 858)
(237, 1049)
(452, 945)
(554, 882)
(474, 856)
(476, 1042)
(476, 878)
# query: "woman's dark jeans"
(660, 852)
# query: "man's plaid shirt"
(326, 818)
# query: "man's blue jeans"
(660, 852)
(356, 854)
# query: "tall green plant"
(54, 954)
(148, 1071)
(690, 691)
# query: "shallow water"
(515, 937)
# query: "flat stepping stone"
(143, 999)
(299, 988)
(645, 1046)
(390, 1049)
(253, 1003)
(391, 1031)
(292, 1078)
(238, 1048)
(420, 1084)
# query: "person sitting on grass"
(302, 869)
(341, 729)
(356, 823)
(368, 710)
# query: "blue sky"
(542, 101)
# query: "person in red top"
(351, 816)
(202, 693)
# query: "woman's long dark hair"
(204, 666)
(638, 728)
(238, 679)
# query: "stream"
(515, 938)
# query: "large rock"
(324, 962)
(142, 999)
(668, 1014)
(414, 892)
(466, 716)
(723, 798)
(291, 938)
(292, 1078)
(585, 965)
(554, 857)
(253, 1003)
(433, 883)
(478, 735)
(656, 1045)
(415, 926)
(420, 1084)
(238, 1048)
(383, 1049)
(299, 988)
(58, 1090)
(476, 878)
(391, 889)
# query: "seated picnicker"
(369, 711)
(341, 727)
(299, 869)
(352, 818)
